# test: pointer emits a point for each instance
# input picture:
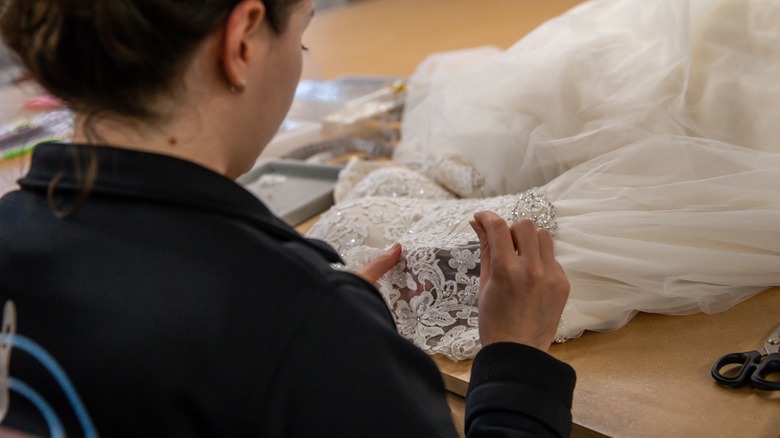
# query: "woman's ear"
(244, 21)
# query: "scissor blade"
(773, 343)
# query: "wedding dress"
(644, 135)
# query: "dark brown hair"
(115, 55)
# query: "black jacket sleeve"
(516, 390)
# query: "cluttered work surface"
(650, 378)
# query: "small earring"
(237, 89)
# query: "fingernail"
(395, 246)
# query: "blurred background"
(320, 5)
(8, 69)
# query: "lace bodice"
(433, 290)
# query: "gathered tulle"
(604, 75)
(671, 225)
(652, 131)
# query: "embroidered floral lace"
(433, 291)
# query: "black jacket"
(180, 306)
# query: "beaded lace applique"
(432, 292)
(459, 177)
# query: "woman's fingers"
(484, 251)
(524, 289)
(525, 238)
(546, 246)
(499, 238)
(375, 269)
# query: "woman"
(650, 131)
(175, 301)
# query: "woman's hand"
(522, 287)
(375, 269)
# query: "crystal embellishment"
(533, 204)
(433, 291)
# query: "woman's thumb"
(375, 269)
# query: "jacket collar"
(157, 178)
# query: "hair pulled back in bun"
(115, 55)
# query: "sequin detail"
(433, 291)
(533, 204)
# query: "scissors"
(751, 367)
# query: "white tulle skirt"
(669, 225)
(602, 76)
(653, 129)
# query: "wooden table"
(650, 378)
(391, 37)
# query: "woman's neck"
(189, 138)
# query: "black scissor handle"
(770, 365)
(748, 361)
